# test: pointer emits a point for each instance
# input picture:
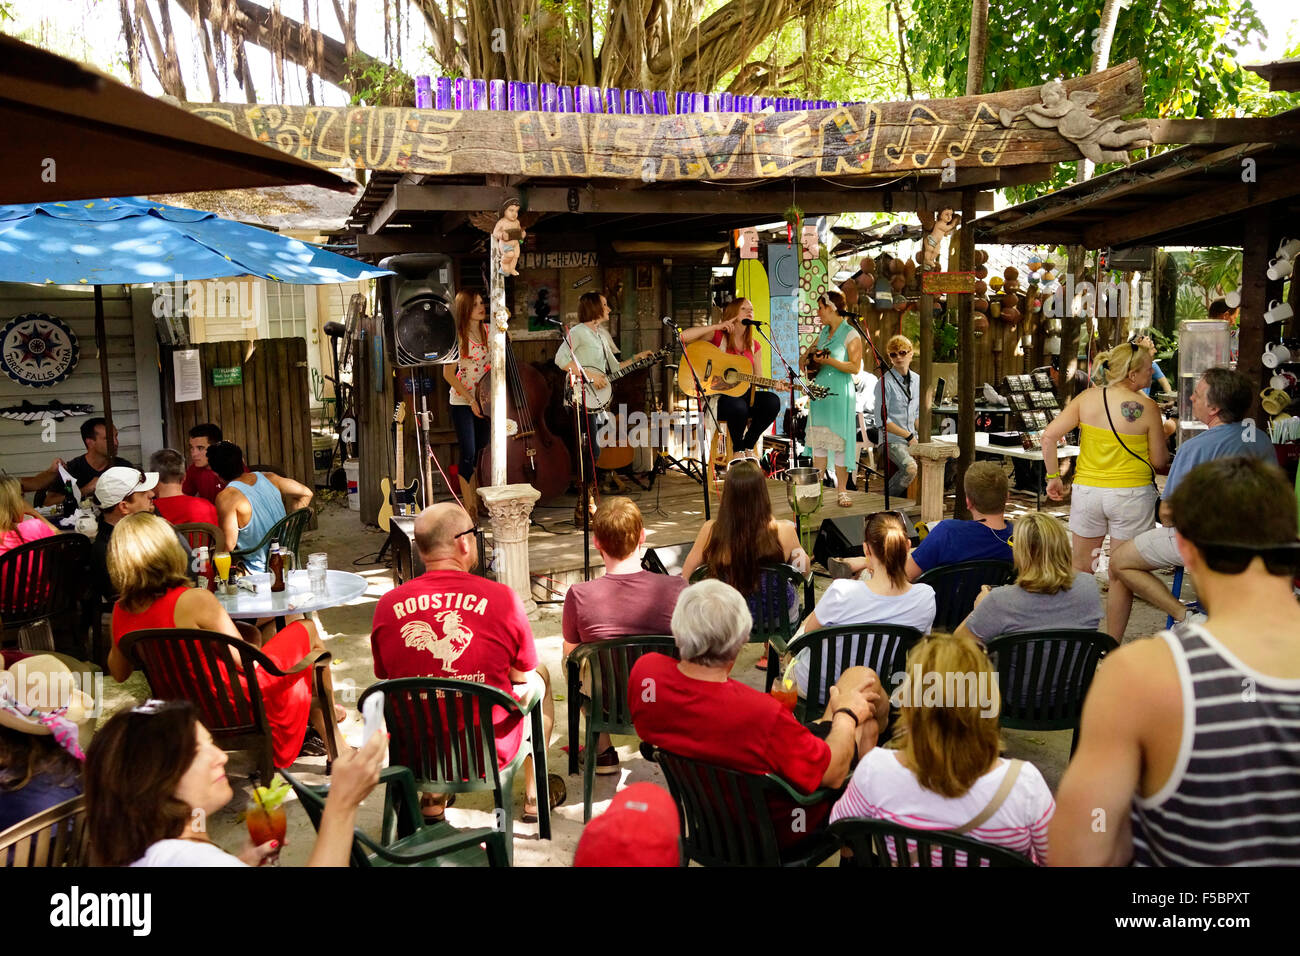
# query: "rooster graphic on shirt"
(452, 643)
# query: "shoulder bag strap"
(1111, 422)
(1008, 781)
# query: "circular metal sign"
(37, 349)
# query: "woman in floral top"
(472, 426)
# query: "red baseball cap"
(640, 828)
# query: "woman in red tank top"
(751, 413)
(148, 569)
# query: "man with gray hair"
(693, 708)
(1220, 401)
(169, 500)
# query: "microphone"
(668, 321)
(753, 322)
(552, 319)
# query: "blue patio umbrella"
(128, 241)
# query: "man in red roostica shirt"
(170, 501)
(200, 479)
(451, 623)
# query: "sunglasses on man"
(1234, 558)
(898, 354)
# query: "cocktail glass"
(221, 564)
(786, 693)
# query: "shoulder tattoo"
(1131, 411)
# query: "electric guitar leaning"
(598, 398)
(395, 496)
(722, 373)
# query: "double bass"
(534, 455)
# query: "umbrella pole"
(101, 344)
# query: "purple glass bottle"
(423, 93)
(497, 95)
(442, 93)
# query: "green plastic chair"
(610, 664)
(875, 842)
(833, 650)
(1044, 676)
(956, 586)
(438, 844)
(726, 818)
(442, 730)
(288, 531)
(771, 607)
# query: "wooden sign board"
(945, 283)
(867, 139)
(558, 260)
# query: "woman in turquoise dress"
(832, 425)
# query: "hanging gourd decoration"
(981, 271)
(909, 272)
(896, 267)
(979, 324)
(850, 290)
(981, 256)
(1010, 315)
(980, 305)
(868, 265)
(866, 281)
(995, 283)
(898, 283)
(1012, 275)
(981, 286)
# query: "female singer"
(832, 424)
(594, 350)
(756, 407)
(469, 309)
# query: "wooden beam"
(965, 357)
(388, 208)
(1256, 293)
(1098, 190)
(407, 197)
(1283, 128)
(859, 139)
(396, 241)
(1222, 199)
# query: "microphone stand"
(884, 367)
(793, 375)
(581, 422)
(700, 405)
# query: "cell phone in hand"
(373, 713)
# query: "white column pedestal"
(509, 509)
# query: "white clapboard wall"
(22, 450)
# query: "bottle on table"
(207, 577)
(276, 565)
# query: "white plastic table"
(296, 598)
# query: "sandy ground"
(353, 547)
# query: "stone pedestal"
(509, 508)
(931, 456)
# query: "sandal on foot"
(558, 794)
(434, 809)
(844, 500)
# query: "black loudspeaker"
(416, 305)
(668, 559)
(842, 537)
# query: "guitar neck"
(775, 385)
(400, 470)
(634, 367)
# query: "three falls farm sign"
(862, 139)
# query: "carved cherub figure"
(510, 234)
(939, 228)
(1101, 141)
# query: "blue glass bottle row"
(460, 93)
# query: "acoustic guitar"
(722, 373)
(398, 500)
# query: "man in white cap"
(118, 493)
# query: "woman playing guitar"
(757, 407)
(593, 348)
(832, 424)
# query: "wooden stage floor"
(673, 512)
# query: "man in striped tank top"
(1206, 771)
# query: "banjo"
(598, 398)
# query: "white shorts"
(1123, 513)
(1157, 548)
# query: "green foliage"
(6, 10)
(1185, 47)
(945, 340)
(1205, 275)
(376, 84)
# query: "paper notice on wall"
(188, 372)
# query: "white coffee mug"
(1233, 299)
(1275, 355)
(1283, 380)
(1289, 248)
(1278, 312)
(1280, 268)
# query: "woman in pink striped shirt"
(946, 772)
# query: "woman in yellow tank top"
(1114, 491)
